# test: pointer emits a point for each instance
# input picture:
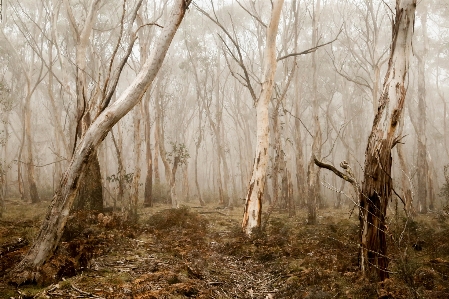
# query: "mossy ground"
(200, 252)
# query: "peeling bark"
(377, 184)
(253, 202)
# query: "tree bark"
(161, 142)
(134, 198)
(185, 183)
(313, 172)
(58, 212)
(90, 195)
(197, 147)
(377, 184)
(157, 176)
(300, 176)
(148, 196)
(422, 165)
(253, 200)
(277, 154)
(405, 179)
(31, 178)
(91, 190)
(172, 182)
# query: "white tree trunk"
(253, 202)
(58, 212)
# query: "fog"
(201, 106)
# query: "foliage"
(173, 252)
(127, 177)
(5, 97)
(179, 151)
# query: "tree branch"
(334, 170)
(308, 51)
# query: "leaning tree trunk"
(377, 184)
(57, 214)
(253, 201)
(90, 196)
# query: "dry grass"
(202, 253)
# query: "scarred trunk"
(377, 184)
(253, 201)
(58, 212)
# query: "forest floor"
(200, 252)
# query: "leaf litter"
(199, 253)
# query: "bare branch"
(234, 41)
(257, 18)
(334, 170)
(308, 51)
(122, 63)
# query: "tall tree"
(53, 225)
(420, 51)
(253, 201)
(377, 184)
(90, 194)
(313, 174)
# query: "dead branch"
(332, 168)
(308, 51)
(257, 18)
(234, 41)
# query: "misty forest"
(224, 149)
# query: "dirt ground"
(200, 252)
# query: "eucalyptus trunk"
(377, 184)
(253, 201)
(313, 171)
(148, 195)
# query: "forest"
(224, 149)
